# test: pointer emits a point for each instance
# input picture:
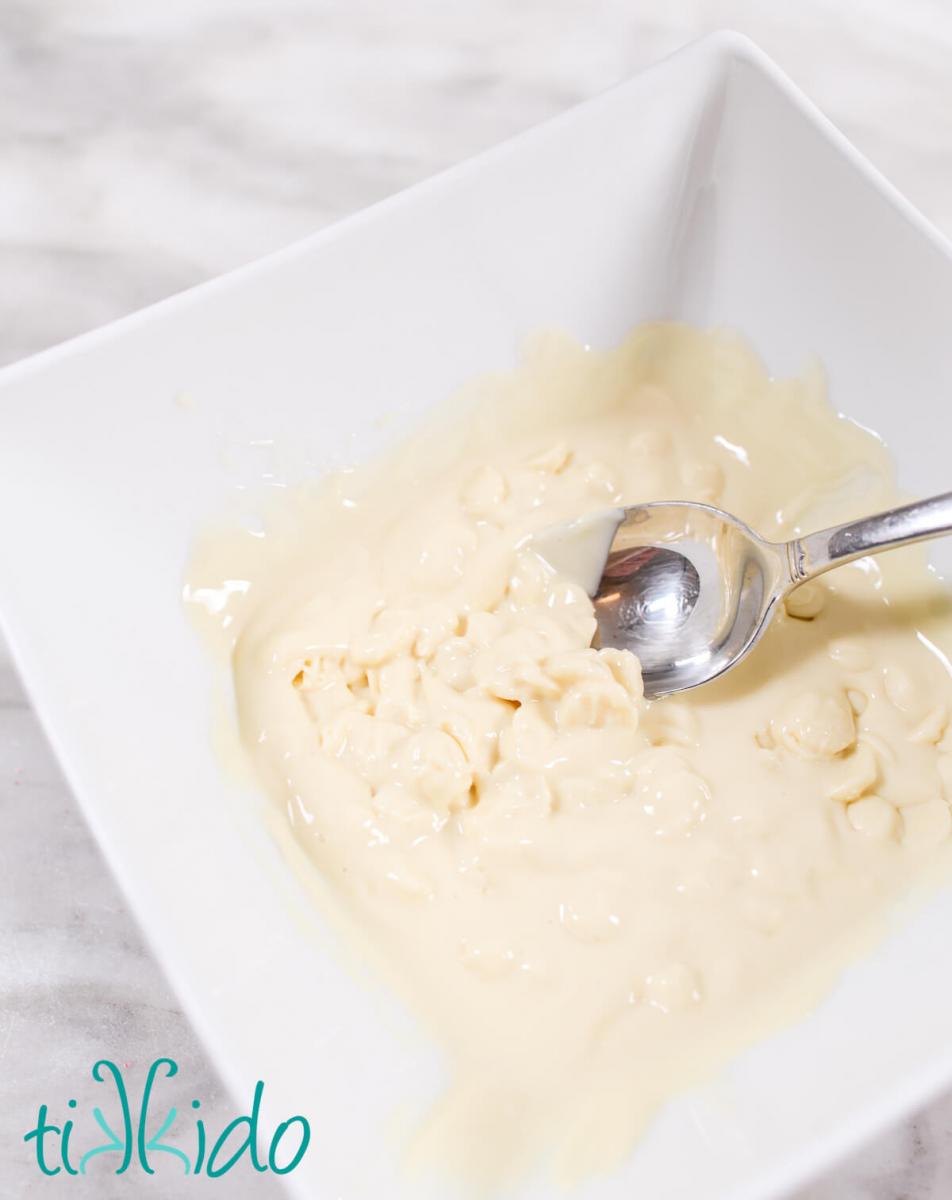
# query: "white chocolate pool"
(591, 899)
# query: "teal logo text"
(139, 1140)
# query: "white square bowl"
(706, 189)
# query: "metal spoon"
(690, 589)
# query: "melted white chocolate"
(593, 900)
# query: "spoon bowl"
(690, 589)
(687, 588)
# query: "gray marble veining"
(147, 146)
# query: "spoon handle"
(818, 552)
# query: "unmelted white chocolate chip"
(816, 724)
(874, 818)
(626, 670)
(858, 700)
(551, 460)
(434, 766)
(529, 582)
(437, 623)
(673, 798)
(484, 492)
(859, 773)
(807, 601)
(902, 690)
(512, 810)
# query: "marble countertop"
(146, 146)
